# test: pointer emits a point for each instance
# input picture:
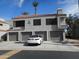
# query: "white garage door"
(13, 36)
(43, 34)
(25, 35)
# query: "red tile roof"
(32, 16)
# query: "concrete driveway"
(47, 45)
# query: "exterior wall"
(4, 27)
(61, 22)
(42, 27)
(54, 36)
(29, 27)
(10, 23)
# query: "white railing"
(18, 28)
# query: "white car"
(35, 39)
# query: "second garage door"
(25, 35)
(43, 34)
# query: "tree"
(73, 23)
(70, 22)
(35, 4)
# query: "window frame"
(52, 22)
(36, 22)
(20, 23)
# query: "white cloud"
(71, 7)
(67, 1)
(11, 3)
(20, 2)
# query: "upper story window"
(37, 22)
(51, 21)
(19, 23)
(1, 24)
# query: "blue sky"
(11, 8)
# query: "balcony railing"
(18, 28)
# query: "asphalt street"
(4, 51)
(29, 54)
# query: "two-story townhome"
(49, 26)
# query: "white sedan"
(35, 39)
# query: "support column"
(25, 24)
(64, 39)
(8, 36)
(48, 36)
(19, 36)
(0, 38)
(33, 33)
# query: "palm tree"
(35, 4)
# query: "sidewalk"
(73, 42)
(46, 46)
